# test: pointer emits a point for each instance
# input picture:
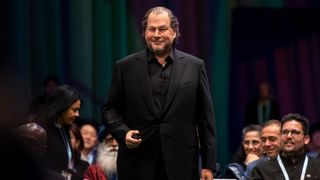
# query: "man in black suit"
(160, 109)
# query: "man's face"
(293, 139)
(89, 135)
(159, 35)
(270, 136)
(111, 143)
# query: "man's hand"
(132, 142)
(206, 174)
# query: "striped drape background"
(79, 41)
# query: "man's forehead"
(109, 136)
(292, 122)
(272, 128)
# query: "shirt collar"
(151, 58)
(294, 160)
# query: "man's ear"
(306, 139)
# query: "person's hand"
(251, 157)
(206, 174)
(132, 142)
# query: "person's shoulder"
(266, 163)
(190, 57)
(136, 55)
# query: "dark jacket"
(270, 170)
(173, 132)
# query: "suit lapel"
(141, 69)
(176, 75)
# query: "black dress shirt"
(159, 79)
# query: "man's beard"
(160, 51)
(107, 159)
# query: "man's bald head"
(32, 136)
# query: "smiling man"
(270, 136)
(159, 102)
(292, 161)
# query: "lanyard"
(66, 143)
(304, 168)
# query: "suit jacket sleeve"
(256, 174)
(111, 110)
(206, 122)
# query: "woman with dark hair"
(58, 113)
(77, 145)
(249, 151)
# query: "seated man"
(292, 161)
(89, 132)
(270, 135)
(34, 138)
(107, 155)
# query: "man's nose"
(157, 32)
(267, 143)
(114, 143)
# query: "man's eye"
(272, 139)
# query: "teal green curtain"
(77, 40)
(220, 77)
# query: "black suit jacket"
(188, 105)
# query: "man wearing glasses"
(292, 162)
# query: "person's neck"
(161, 61)
(161, 57)
(59, 121)
(86, 151)
(293, 155)
(263, 101)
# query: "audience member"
(89, 132)
(34, 138)
(314, 145)
(250, 151)
(77, 145)
(263, 107)
(107, 155)
(58, 113)
(16, 161)
(270, 136)
(50, 84)
(292, 161)
(94, 172)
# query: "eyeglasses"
(293, 133)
